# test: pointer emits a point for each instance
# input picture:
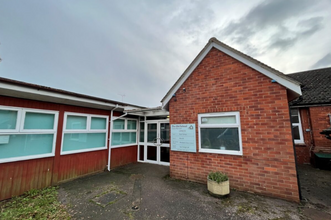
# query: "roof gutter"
(143, 110)
(307, 106)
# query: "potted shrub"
(218, 183)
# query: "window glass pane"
(76, 122)
(151, 132)
(35, 120)
(219, 120)
(165, 133)
(132, 125)
(165, 154)
(98, 123)
(118, 124)
(141, 152)
(296, 133)
(141, 133)
(81, 141)
(151, 153)
(18, 145)
(123, 138)
(8, 119)
(295, 115)
(220, 138)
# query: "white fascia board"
(292, 86)
(34, 91)
(288, 84)
(151, 113)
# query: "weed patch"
(34, 204)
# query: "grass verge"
(34, 204)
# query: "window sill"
(14, 159)
(227, 152)
(126, 145)
(82, 151)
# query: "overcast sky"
(140, 48)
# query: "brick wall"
(320, 121)
(303, 150)
(220, 84)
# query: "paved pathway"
(145, 191)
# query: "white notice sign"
(183, 137)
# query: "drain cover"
(108, 198)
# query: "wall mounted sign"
(183, 138)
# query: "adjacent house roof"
(316, 87)
(291, 84)
(19, 89)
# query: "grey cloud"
(283, 43)
(274, 12)
(311, 25)
(272, 16)
(191, 19)
(307, 27)
(268, 13)
(323, 62)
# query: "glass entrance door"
(154, 142)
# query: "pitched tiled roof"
(315, 86)
(291, 83)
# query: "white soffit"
(282, 81)
(17, 91)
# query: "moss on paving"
(34, 204)
(246, 207)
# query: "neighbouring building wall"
(313, 121)
(320, 121)
(223, 84)
(303, 149)
(19, 176)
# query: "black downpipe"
(295, 154)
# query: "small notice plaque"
(183, 137)
(4, 139)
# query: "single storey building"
(311, 115)
(237, 110)
(240, 107)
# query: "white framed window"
(27, 133)
(124, 132)
(220, 133)
(296, 126)
(84, 133)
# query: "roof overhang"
(157, 111)
(39, 94)
(293, 86)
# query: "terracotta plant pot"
(219, 189)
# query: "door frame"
(156, 144)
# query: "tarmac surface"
(145, 191)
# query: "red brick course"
(221, 84)
(316, 119)
(319, 122)
(303, 150)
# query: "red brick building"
(237, 107)
(240, 108)
(311, 114)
